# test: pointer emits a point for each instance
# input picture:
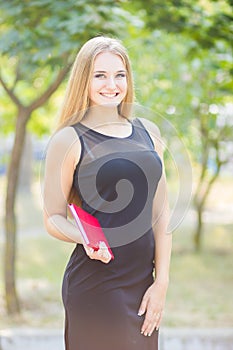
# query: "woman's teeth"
(109, 95)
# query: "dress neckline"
(110, 136)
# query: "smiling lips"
(109, 95)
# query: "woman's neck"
(97, 115)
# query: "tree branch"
(17, 76)
(51, 89)
(10, 93)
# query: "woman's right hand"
(101, 254)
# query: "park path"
(170, 339)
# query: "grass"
(199, 294)
(40, 264)
(200, 291)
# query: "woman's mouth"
(109, 95)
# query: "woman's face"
(108, 85)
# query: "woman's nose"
(111, 84)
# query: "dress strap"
(143, 131)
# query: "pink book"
(90, 228)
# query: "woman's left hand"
(153, 305)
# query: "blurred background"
(182, 61)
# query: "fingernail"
(140, 313)
(149, 334)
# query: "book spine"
(79, 224)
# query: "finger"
(89, 251)
(143, 306)
(159, 321)
(105, 257)
(103, 252)
(154, 325)
(153, 329)
(148, 322)
(102, 245)
(151, 322)
(102, 255)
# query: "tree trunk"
(199, 227)
(11, 297)
(25, 171)
(199, 202)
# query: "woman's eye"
(100, 75)
(121, 75)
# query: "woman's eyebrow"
(103, 71)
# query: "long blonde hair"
(76, 101)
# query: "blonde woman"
(111, 165)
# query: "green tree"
(205, 22)
(207, 28)
(192, 91)
(211, 104)
(38, 42)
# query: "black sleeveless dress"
(116, 179)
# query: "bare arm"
(163, 240)
(154, 299)
(160, 218)
(62, 156)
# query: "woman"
(111, 164)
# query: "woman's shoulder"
(154, 133)
(64, 136)
(64, 139)
(151, 127)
